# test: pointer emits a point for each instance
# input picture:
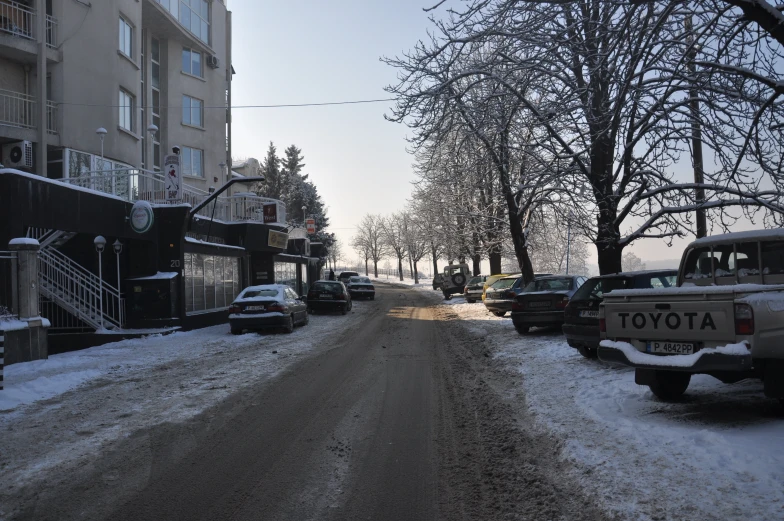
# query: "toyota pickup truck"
(724, 318)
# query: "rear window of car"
(504, 283)
(560, 284)
(594, 289)
(359, 280)
(259, 293)
(474, 281)
(655, 281)
(326, 287)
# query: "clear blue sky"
(301, 51)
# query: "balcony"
(19, 20)
(143, 185)
(19, 110)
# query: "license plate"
(539, 304)
(325, 296)
(254, 308)
(589, 314)
(671, 348)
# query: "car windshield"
(251, 293)
(326, 287)
(594, 289)
(559, 284)
(504, 283)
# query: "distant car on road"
(265, 307)
(345, 275)
(329, 295)
(581, 316)
(543, 301)
(361, 287)
(474, 288)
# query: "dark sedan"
(329, 295)
(265, 307)
(361, 287)
(543, 301)
(581, 317)
(500, 296)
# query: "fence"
(383, 273)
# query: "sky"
(312, 51)
(305, 51)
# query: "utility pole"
(696, 128)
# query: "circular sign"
(141, 216)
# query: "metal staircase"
(72, 286)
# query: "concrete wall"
(12, 75)
(91, 74)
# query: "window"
(773, 258)
(126, 39)
(211, 281)
(126, 110)
(192, 161)
(191, 62)
(192, 111)
(561, 284)
(195, 16)
(286, 273)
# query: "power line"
(223, 107)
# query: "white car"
(267, 306)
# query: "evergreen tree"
(271, 170)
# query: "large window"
(126, 38)
(191, 62)
(194, 15)
(211, 281)
(192, 111)
(126, 110)
(192, 161)
(286, 273)
(155, 66)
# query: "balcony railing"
(19, 110)
(19, 20)
(144, 185)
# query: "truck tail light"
(234, 308)
(744, 319)
(602, 325)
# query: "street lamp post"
(304, 218)
(100, 244)
(118, 247)
(101, 134)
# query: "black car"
(501, 295)
(329, 295)
(581, 317)
(543, 301)
(267, 306)
(345, 275)
(361, 287)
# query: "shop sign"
(278, 240)
(172, 181)
(142, 217)
(310, 224)
(270, 212)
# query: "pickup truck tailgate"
(670, 319)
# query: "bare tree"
(370, 236)
(362, 247)
(394, 233)
(632, 262)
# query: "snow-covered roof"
(750, 235)
(205, 243)
(158, 276)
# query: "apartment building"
(153, 74)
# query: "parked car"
(723, 318)
(474, 288)
(490, 280)
(329, 295)
(500, 296)
(265, 307)
(361, 287)
(581, 316)
(543, 301)
(345, 275)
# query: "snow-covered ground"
(715, 455)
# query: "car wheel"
(236, 331)
(373, 297)
(523, 330)
(669, 385)
(344, 309)
(306, 320)
(587, 352)
(470, 300)
(499, 313)
(289, 327)
(447, 296)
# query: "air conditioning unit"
(213, 62)
(18, 155)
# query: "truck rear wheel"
(587, 352)
(669, 385)
(523, 330)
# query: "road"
(397, 417)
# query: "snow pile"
(774, 300)
(11, 323)
(638, 357)
(23, 241)
(715, 455)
